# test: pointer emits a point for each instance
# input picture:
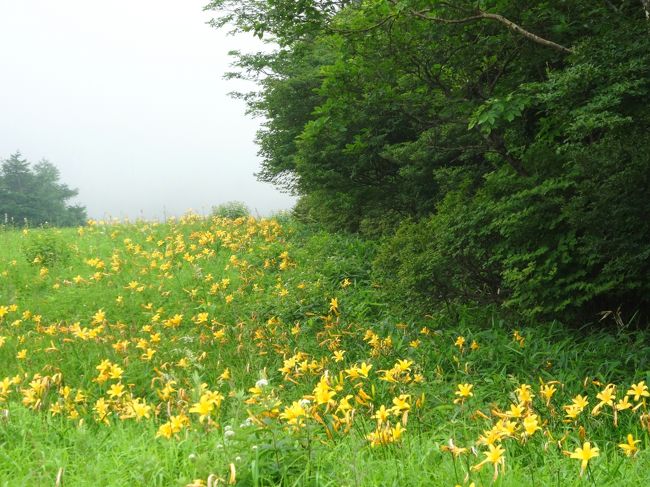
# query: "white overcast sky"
(126, 98)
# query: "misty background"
(127, 100)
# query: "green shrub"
(534, 246)
(45, 248)
(567, 235)
(231, 209)
(339, 213)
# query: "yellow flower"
(629, 448)
(115, 372)
(140, 409)
(344, 404)
(101, 409)
(165, 430)
(148, 355)
(547, 391)
(22, 355)
(585, 454)
(401, 403)
(638, 391)
(323, 393)
(364, 369)
(580, 401)
(460, 342)
(132, 285)
(178, 422)
(404, 365)
(203, 408)
(338, 355)
(493, 456)
(572, 411)
(215, 397)
(516, 411)
(531, 424)
(464, 391)
(606, 396)
(379, 437)
(294, 414)
(623, 404)
(397, 431)
(508, 428)
(524, 393)
(382, 415)
(99, 317)
(201, 318)
(116, 391)
(362, 397)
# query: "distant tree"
(33, 194)
(231, 209)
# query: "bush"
(570, 236)
(45, 248)
(231, 209)
(333, 214)
(557, 248)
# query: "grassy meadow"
(262, 352)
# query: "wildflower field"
(262, 352)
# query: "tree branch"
(364, 30)
(499, 145)
(481, 15)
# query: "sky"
(127, 99)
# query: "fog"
(127, 99)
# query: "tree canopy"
(508, 140)
(32, 195)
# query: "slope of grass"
(260, 352)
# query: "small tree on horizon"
(33, 194)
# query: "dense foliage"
(33, 195)
(509, 140)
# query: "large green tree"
(33, 195)
(515, 132)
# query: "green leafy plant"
(45, 248)
(231, 209)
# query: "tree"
(33, 195)
(514, 132)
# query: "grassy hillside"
(260, 352)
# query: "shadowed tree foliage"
(507, 140)
(33, 195)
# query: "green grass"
(126, 455)
(273, 307)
